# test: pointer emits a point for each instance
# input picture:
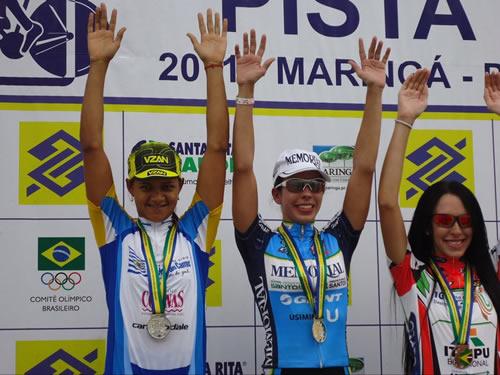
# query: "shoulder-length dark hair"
(477, 255)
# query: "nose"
(456, 228)
(307, 192)
(157, 196)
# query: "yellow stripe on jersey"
(97, 219)
(212, 224)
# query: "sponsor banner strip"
(389, 112)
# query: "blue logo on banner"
(53, 35)
(66, 160)
(63, 357)
(421, 156)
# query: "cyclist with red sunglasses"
(155, 267)
(447, 282)
(299, 274)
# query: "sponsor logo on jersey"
(50, 164)
(173, 326)
(435, 155)
(174, 302)
(61, 357)
(413, 338)
(261, 299)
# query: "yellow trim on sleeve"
(97, 218)
(212, 223)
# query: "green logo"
(61, 253)
(356, 364)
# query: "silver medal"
(158, 326)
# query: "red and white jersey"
(428, 323)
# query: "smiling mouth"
(455, 244)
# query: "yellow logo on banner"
(50, 164)
(214, 286)
(60, 357)
(435, 155)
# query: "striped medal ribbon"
(316, 300)
(158, 326)
(459, 321)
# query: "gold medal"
(463, 356)
(319, 330)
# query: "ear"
(276, 193)
(129, 186)
(181, 183)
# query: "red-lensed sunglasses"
(448, 220)
(297, 185)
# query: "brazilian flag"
(61, 253)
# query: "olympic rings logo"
(60, 279)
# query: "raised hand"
(492, 91)
(249, 66)
(413, 95)
(372, 69)
(213, 41)
(101, 39)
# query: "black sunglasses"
(297, 185)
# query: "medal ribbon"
(305, 280)
(157, 285)
(460, 322)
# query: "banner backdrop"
(53, 315)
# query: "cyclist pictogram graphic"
(50, 33)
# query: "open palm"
(213, 40)
(413, 95)
(492, 92)
(372, 69)
(101, 40)
(249, 66)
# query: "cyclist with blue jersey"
(298, 273)
(155, 267)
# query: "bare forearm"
(393, 230)
(392, 169)
(243, 139)
(92, 116)
(245, 199)
(367, 142)
(217, 113)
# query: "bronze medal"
(463, 356)
(319, 330)
(158, 326)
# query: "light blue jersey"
(286, 313)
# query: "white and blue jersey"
(130, 349)
(286, 314)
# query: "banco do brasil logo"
(60, 357)
(435, 155)
(50, 164)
